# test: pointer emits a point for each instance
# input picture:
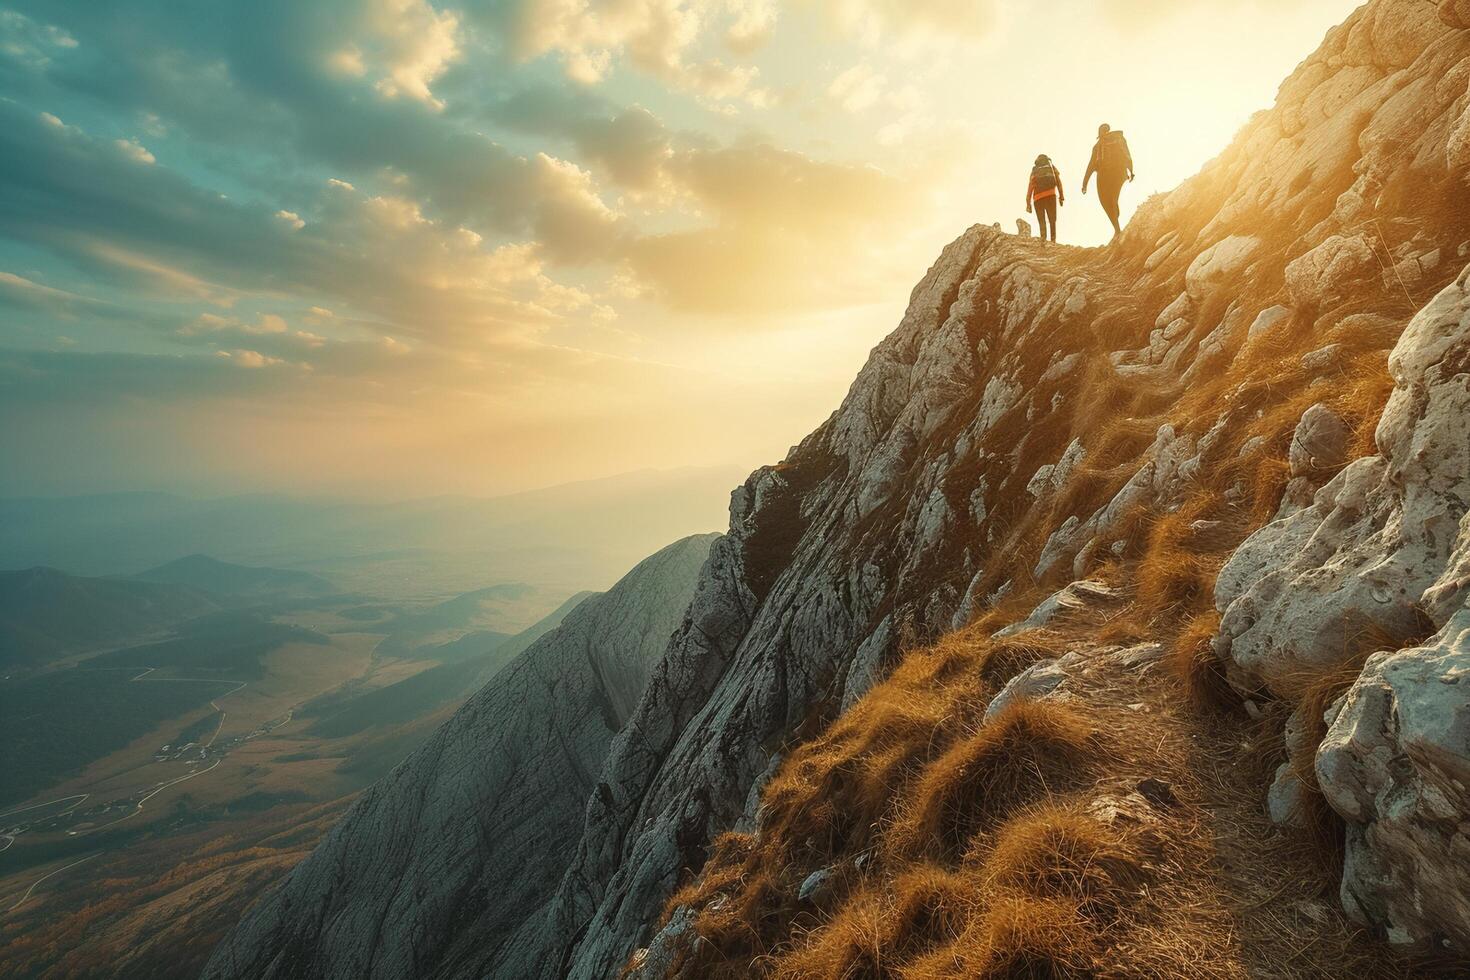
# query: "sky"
(394, 248)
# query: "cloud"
(1144, 14)
(876, 21)
(857, 88)
(134, 151)
(656, 37)
(411, 44)
(249, 359)
(151, 228)
(754, 23)
(785, 232)
(373, 158)
(31, 43)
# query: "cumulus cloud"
(134, 151)
(657, 37)
(249, 359)
(412, 44)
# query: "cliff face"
(441, 856)
(1144, 415)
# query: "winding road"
(38, 881)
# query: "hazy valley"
(177, 737)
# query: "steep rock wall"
(440, 857)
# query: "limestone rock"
(817, 887)
(1023, 228)
(1377, 537)
(1219, 264)
(1078, 595)
(1396, 765)
(1035, 682)
(1285, 800)
(1324, 274)
(1269, 320)
(1320, 442)
(1321, 359)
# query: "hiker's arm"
(1061, 194)
(1129, 154)
(1091, 169)
(1030, 193)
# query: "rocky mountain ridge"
(1206, 417)
(435, 855)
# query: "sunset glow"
(388, 247)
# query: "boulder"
(1396, 765)
(1320, 442)
(1023, 228)
(1326, 273)
(1078, 595)
(1268, 320)
(1218, 264)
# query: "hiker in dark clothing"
(1113, 165)
(1045, 192)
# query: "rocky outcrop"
(925, 498)
(1396, 765)
(1381, 547)
(1384, 548)
(441, 859)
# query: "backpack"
(1112, 152)
(1044, 177)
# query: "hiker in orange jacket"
(1113, 165)
(1045, 192)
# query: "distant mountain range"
(228, 579)
(45, 613)
(565, 538)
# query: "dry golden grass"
(1193, 662)
(1031, 749)
(1055, 853)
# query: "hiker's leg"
(1041, 217)
(1109, 189)
(1050, 210)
